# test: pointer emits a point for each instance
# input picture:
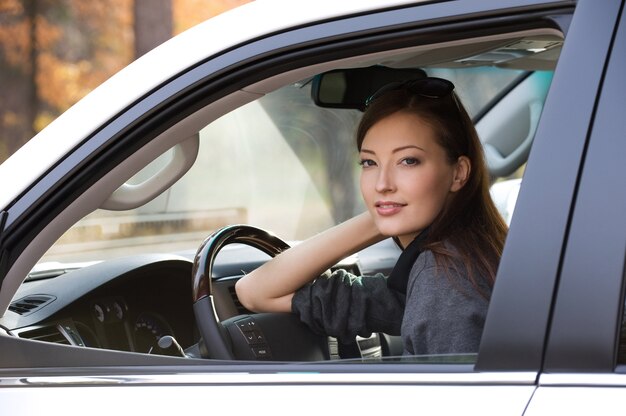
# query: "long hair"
(469, 232)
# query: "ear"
(462, 170)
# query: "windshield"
(280, 163)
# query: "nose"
(384, 181)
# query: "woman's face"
(406, 177)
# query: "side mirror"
(351, 87)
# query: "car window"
(280, 162)
(477, 86)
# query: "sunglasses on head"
(430, 87)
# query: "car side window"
(279, 162)
(289, 166)
(283, 164)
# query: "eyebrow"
(396, 150)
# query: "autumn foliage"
(53, 52)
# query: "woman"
(425, 184)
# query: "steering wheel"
(227, 340)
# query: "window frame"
(240, 67)
(585, 331)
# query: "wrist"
(368, 229)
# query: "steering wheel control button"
(251, 331)
(255, 338)
(259, 338)
(246, 325)
(262, 353)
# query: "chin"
(398, 231)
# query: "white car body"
(550, 344)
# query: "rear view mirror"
(351, 87)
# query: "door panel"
(519, 312)
(277, 394)
(587, 313)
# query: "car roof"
(234, 27)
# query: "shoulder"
(425, 265)
(445, 273)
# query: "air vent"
(30, 304)
(241, 310)
(46, 334)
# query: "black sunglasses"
(430, 87)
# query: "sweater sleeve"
(343, 305)
(444, 313)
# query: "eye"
(410, 161)
(366, 163)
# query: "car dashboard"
(129, 304)
(125, 305)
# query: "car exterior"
(223, 96)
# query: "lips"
(386, 208)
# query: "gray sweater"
(442, 313)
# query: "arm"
(271, 287)
(343, 306)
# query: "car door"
(584, 365)
(549, 190)
(504, 377)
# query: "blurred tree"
(188, 13)
(17, 72)
(53, 52)
(153, 24)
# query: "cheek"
(432, 187)
(442, 189)
(365, 185)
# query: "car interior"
(145, 260)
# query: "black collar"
(399, 277)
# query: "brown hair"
(470, 223)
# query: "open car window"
(279, 162)
(118, 279)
